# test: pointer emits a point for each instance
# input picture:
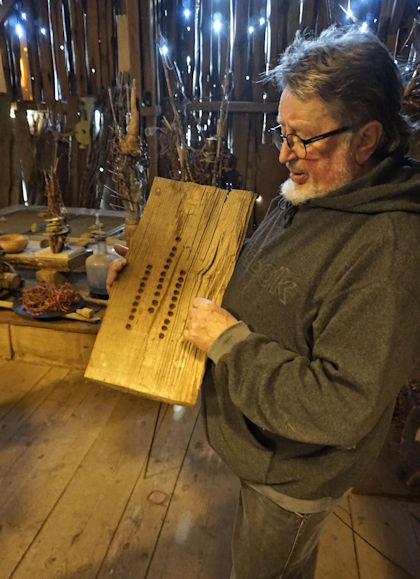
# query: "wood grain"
(185, 246)
(96, 483)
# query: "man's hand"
(206, 321)
(116, 266)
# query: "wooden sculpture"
(186, 245)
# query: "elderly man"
(320, 324)
(300, 392)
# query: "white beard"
(297, 194)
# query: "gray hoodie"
(300, 393)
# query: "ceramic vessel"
(13, 243)
(97, 266)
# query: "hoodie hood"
(393, 185)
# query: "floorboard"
(76, 535)
(337, 539)
(385, 546)
(196, 532)
(97, 483)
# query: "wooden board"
(63, 348)
(69, 259)
(5, 347)
(186, 245)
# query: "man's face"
(329, 163)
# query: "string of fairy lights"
(359, 12)
(356, 11)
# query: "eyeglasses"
(296, 143)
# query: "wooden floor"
(99, 483)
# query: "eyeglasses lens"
(293, 142)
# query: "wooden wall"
(61, 57)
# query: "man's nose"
(286, 153)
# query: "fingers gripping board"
(186, 245)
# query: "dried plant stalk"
(128, 157)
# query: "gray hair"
(355, 74)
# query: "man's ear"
(367, 140)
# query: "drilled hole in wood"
(128, 327)
(170, 314)
(172, 254)
(157, 294)
(167, 322)
(164, 328)
(159, 286)
(177, 239)
(151, 310)
(133, 310)
(149, 266)
(169, 260)
(140, 290)
(174, 299)
(155, 302)
(138, 297)
(142, 284)
(161, 336)
(135, 304)
(180, 279)
(144, 278)
(161, 280)
(182, 272)
(163, 273)
(171, 306)
(174, 248)
(176, 292)
(166, 267)
(131, 317)
(178, 285)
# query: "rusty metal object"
(9, 279)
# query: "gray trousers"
(270, 542)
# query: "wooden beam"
(208, 106)
(6, 136)
(235, 106)
(94, 73)
(149, 86)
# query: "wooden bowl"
(13, 243)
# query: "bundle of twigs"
(46, 298)
(209, 162)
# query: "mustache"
(294, 167)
